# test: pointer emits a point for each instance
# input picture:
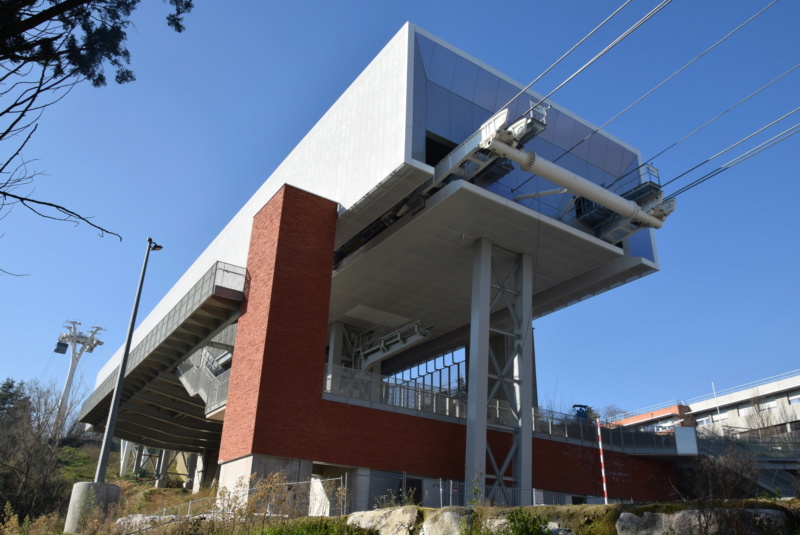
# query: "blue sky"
(213, 112)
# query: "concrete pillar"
(86, 499)
(161, 469)
(191, 467)
(137, 464)
(335, 350)
(125, 451)
(358, 493)
(198, 479)
(236, 476)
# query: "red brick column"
(284, 319)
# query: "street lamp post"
(101, 492)
(108, 435)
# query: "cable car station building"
(369, 310)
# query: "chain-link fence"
(271, 496)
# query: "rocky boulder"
(750, 521)
(394, 521)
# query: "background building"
(369, 310)
(761, 417)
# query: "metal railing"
(772, 446)
(777, 447)
(218, 392)
(201, 375)
(614, 436)
(774, 456)
(389, 392)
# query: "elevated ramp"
(155, 408)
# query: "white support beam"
(524, 373)
(477, 375)
(336, 334)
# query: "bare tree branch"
(4, 272)
(46, 48)
(68, 215)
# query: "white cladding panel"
(361, 139)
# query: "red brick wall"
(275, 404)
(284, 318)
(564, 467)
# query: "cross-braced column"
(501, 370)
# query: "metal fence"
(218, 392)
(273, 498)
(459, 493)
(395, 489)
(771, 446)
(777, 447)
(268, 497)
(202, 375)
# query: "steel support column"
(477, 374)
(524, 374)
(501, 373)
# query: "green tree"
(10, 396)
(46, 47)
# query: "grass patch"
(584, 519)
(79, 463)
(312, 526)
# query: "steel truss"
(500, 366)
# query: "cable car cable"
(731, 146)
(789, 132)
(701, 127)
(567, 53)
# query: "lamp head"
(153, 245)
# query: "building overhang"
(155, 409)
(421, 267)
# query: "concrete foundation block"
(86, 499)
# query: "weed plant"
(520, 521)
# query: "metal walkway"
(155, 408)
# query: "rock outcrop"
(750, 521)
(392, 521)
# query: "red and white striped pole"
(602, 463)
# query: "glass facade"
(453, 97)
